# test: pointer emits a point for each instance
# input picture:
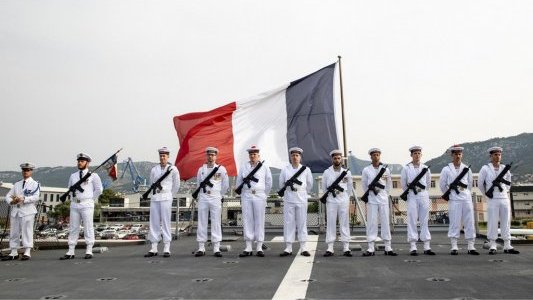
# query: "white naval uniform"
(295, 206)
(161, 206)
(253, 201)
(82, 210)
(22, 216)
(460, 207)
(499, 207)
(377, 207)
(338, 207)
(210, 205)
(417, 205)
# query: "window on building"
(475, 183)
(183, 202)
(57, 197)
(45, 197)
(394, 184)
(481, 219)
(479, 199)
(432, 183)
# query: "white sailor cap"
(372, 150)
(253, 148)
(335, 152)
(456, 148)
(415, 148)
(83, 156)
(495, 149)
(163, 150)
(296, 149)
(27, 165)
(211, 150)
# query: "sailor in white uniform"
(460, 207)
(378, 205)
(82, 207)
(499, 206)
(22, 198)
(338, 205)
(210, 202)
(295, 202)
(253, 201)
(161, 203)
(417, 204)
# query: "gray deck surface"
(379, 277)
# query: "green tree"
(106, 196)
(61, 210)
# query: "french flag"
(301, 114)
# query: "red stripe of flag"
(196, 131)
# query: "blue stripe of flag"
(311, 118)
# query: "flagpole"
(342, 112)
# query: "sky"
(96, 76)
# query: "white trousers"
(206, 209)
(77, 216)
(336, 210)
(375, 214)
(160, 212)
(418, 211)
(499, 210)
(461, 211)
(253, 218)
(21, 226)
(295, 218)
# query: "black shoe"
(429, 252)
(66, 256)
(454, 252)
(246, 253)
(391, 253)
(218, 254)
(328, 254)
(305, 253)
(166, 254)
(150, 254)
(492, 252)
(260, 254)
(88, 256)
(10, 257)
(368, 253)
(285, 253)
(414, 253)
(473, 252)
(199, 253)
(347, 253)
(25, 257)
(511, 251)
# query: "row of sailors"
(25, 193)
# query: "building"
(522, 196)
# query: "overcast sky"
(95, 76)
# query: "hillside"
(517, 149)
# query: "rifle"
(156, 186)
(374, 184)
(496, 183)
(77, 186)
(291, 182)
(414, 184)
(334, 186)
(250, 177)
(205, 182)
(456, 184)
